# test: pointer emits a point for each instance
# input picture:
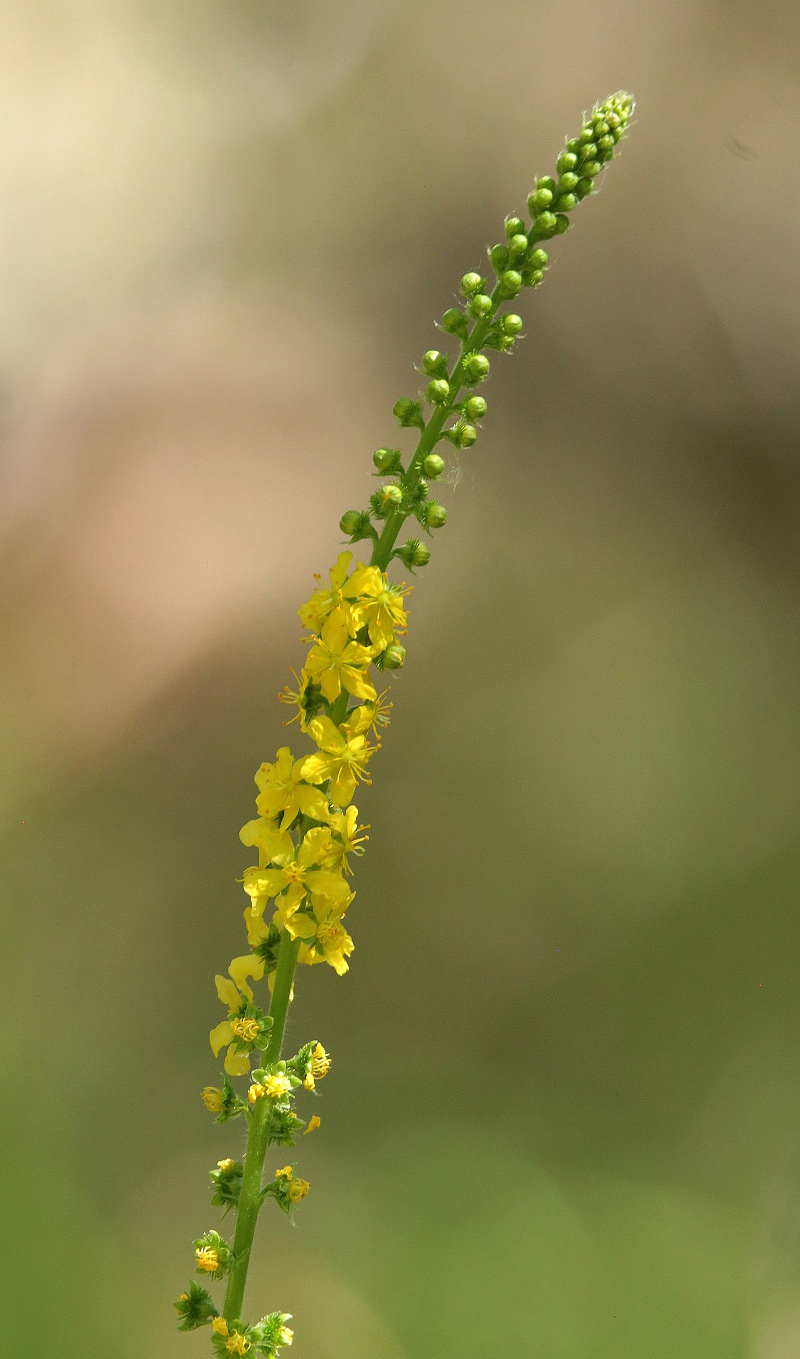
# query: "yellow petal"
(219, 1036)
(326, 734)
(263, 882)
(312, 801)
(237, 1063)
(246, 966)
(227, 992)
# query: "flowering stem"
(258, 1135)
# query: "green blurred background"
(564, 1116)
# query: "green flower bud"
(437, 392)
(585, 136)
(435, 515)
(566, 161)
(588, 152)
(387, 461)
(562, 224)
(433, 466)
(481, 305)
(584, 186)
(538, 259)
(476, 368)
(475, 408)
(518, 246)
(462, 434)
(408, 413)
(533, 277)
(566, 202)
(544, 224)
(455, 323)
(546, 182)
(394, 657)
(350, 522)
(592, 168)
(606, 144)
(539, 201)
(391, 496)
(601, 127)
(471, 283)
(514, 225)
(498, 258)
(573, 145)
(566, 183)
(512, 325)
(511, 282)
(434, 363)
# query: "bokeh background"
(564, 1116)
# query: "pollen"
(237, 1343)
(219, 1326)
(207, 1259)
(246, 1029)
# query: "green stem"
(258, 1136)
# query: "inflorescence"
(306, 830)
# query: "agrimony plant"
(306, 831)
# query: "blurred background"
(564, 1115)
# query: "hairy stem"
(258, 1136)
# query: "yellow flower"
(183, 1297)
(256, 1092)
(336, 662)
(298, 1189)
(336, 945)
(348, 841)
(313, 1123)
(236, 1029)
(212, 1099)
(281, 790)
(336, 602)
(285, 1173)
(342, 757)
(380, 607)
(297, 698)
(227, 1164)
(277, 1086)
(237, 1343)
(219, 1325)
(207, 1259)
(298, 876)
(285, 1335)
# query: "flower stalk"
(306, 830)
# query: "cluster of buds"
(480, 322)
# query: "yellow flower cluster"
(306, 831)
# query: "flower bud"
(538, 259)
(562, 224)
(566, 202)
(394, 656)
(518, 246)
(475, 408)
(437, 392)
(539, 201)
(408, 413)
(512, 324)
(471, 283)
(585, 136)
(606, 144)
(350, 523)
(391, 496)
(455, 323)
(566, 161)
(592, 168)
(387, 460)
(434, 363)
(462, 434)
(435, 515)
(514, 225)
(546, 182)
(584, 186)
(481, 305)
(498, 258)
(476, 368)
(588, 152)
(433, 466)
(544, 224)
(566, 183)
(511, 282)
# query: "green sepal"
(196, 1309)
(408, 413)
(228, 1185)
(283, 1127)
(265, 1335)
(232, 1105)
(213, 1241)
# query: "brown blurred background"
(564, 1117)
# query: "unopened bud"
(481, 305)
(544, 224)
(476, 368)
(437, 392)
(566, 161)
(435, 515)
(475, 408)
(511, 282)
(518, 246)
(434, 363)
(512, 324)
(514, 225)
(387, 460)
(539, 201)
(455, 323)
(433, 466)
(498, 258)
(351, 522)
(393, 658)
(471, 283)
